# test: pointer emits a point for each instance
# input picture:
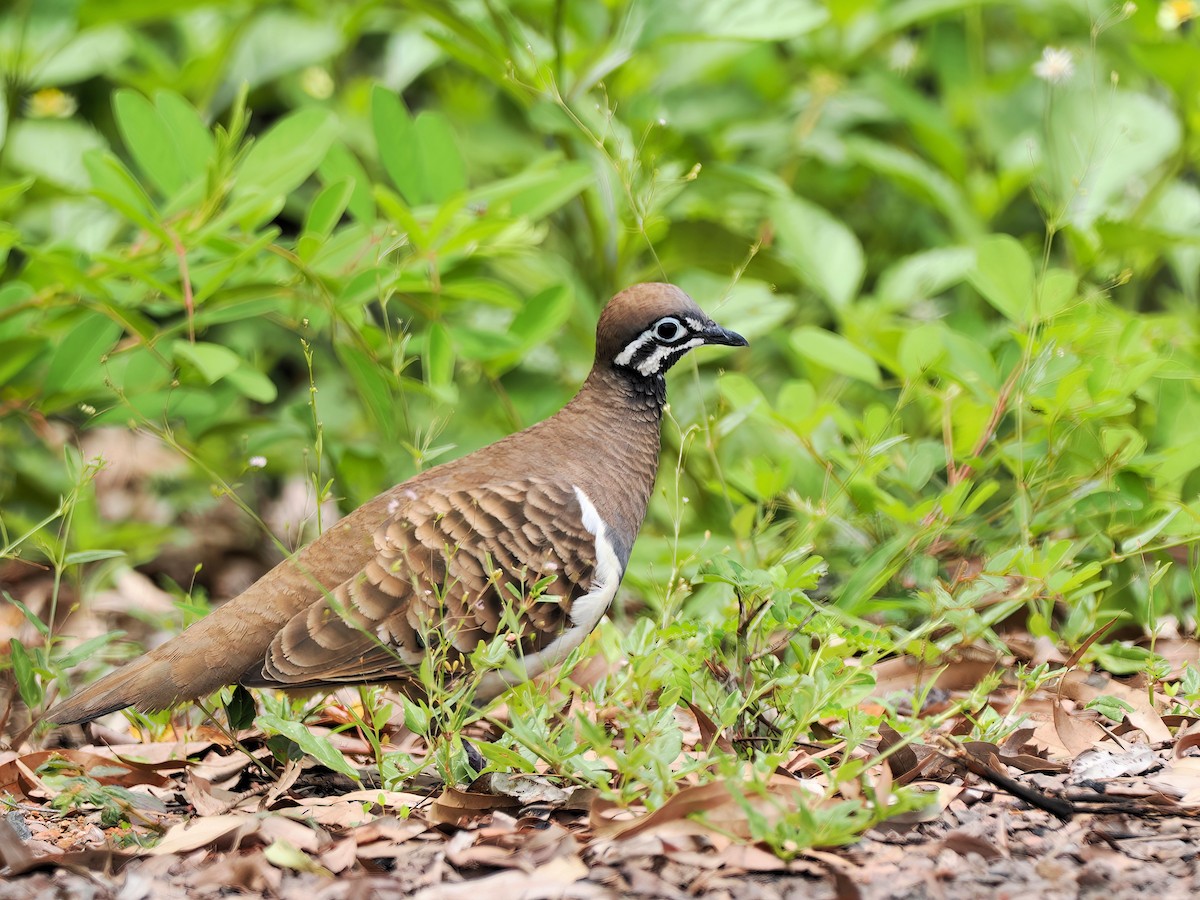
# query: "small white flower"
(1129, 9)
(317, 83)
(393, 506)
(1056, 65)
(257, 462)
(901, 55)
(1173, 13)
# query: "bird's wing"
(451, 569)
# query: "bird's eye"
(667, 330)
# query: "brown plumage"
(528, 537)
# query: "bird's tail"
(219, 649)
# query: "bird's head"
(647, 328)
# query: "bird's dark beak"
(715, 334)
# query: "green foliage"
(969, 281)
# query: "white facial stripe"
(625, 357)
(694, 324)
(655, 360)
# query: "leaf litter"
(1069, 804)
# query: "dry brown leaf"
(199, 833)
(456, 807)
(962, 844)
(525, 789)
(17, 776)
(718, 805)
(1084, 687)
(1076, 732)
(207, 800)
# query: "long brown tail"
(218, 650)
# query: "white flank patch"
(586, 612)
(625, 357)
(655, 360)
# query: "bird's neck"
(617, 420)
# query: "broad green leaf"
(396, 137)
(542, 315)
(192, 140)
(442, 165)
(253, 384)
(94, 52)
(114, 184)
(275, 41)
(52, 149)
(921, 348)
(323, 216)
(835, 353)
(439, 357)
(1056, 291)
(539, 192)
(373, 387)
(318, 748)
(290, 151)
(76, 363)
(23, 671)
(148, 140)
(744, 20)
(328, 207)
(1095, 151)
(240, 709)
(1003, 274)
(339, 163)
(827, 253)
(213, 361)
(924, 275)
(741, 392)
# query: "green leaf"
(290, 151)
(253, 384)
(442, 167)
(828, 254)
(240, 709)
(323, 215)
(114, 184)
(339, 163)
(396, 137)
(76, 363)
(79, 557)
(317, 747)
(744, 20)
(439, 357)
(1057, 290)
(536, 193)
(921, 348)
(1003, 274)
(835, 353)
(23, 670)
(542, 316)
(149, 140)
(52, 149)
(1094, 152)
(191, 139)
(213, 361)
(87, 650)
(93, 52)
(373, 387)
(924, 275)
(328, 207)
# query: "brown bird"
(527, 538)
